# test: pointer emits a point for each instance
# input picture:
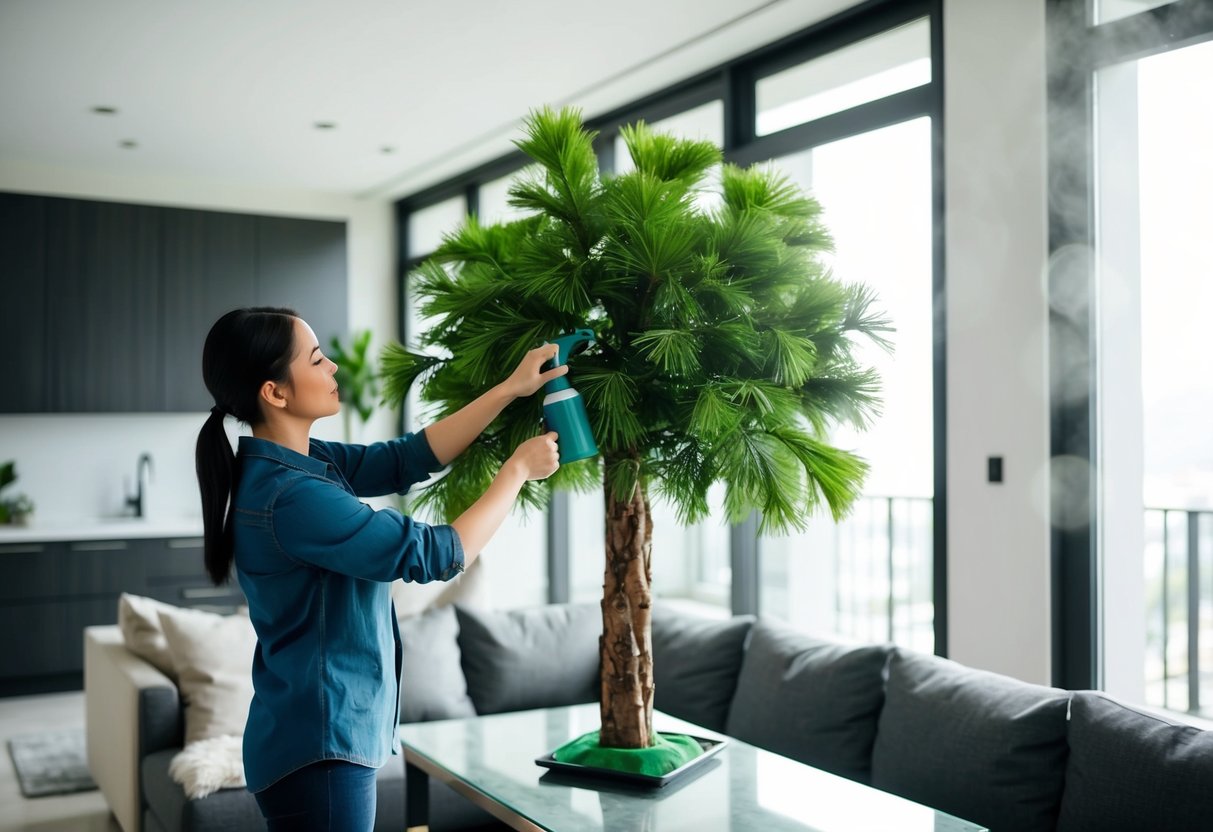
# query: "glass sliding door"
(1154, 297)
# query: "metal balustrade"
(1179, 609)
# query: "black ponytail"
(244, 349)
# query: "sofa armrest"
(129, 707)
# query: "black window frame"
(734, 83)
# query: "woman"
(315, 562)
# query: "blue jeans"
(328, 796)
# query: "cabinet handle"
(99, 546)
(186, 543)
(21, 549)
(197, 593)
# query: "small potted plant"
(15, 510)
(356, 378)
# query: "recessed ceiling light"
(128, 144)
(106, 111)
(325, 125)
(387, 149)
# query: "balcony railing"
(869, 577)
(1179, 609)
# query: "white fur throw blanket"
(206, 766)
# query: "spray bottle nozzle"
(570, 344)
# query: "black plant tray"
(575, 770)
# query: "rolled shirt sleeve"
(322, 524)
(384, 467)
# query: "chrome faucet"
(136, 501)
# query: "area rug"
(53, 762)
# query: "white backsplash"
(82, 466)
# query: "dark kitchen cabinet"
(210, 267)
(103, 307)
(23, 307)
(53, 590)
(107, 305)
(301, 265)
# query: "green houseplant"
(15, 510)
(356, 379)
(724, 354)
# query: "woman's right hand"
(537, 458)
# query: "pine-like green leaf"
(673, 350)
(610, 399)
(860, 317)
(849, 395)
(790, 357)
(714, 413)
(833, 474)
(400, 368)
(668, 158)
(765, 189)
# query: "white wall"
(997, 316)
(74, 465)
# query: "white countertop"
(101, 528)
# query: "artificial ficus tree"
(726, 351)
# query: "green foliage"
(726, 351)
(356, 374)
(14, 509)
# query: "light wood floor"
(80, 812)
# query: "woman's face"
(313, 386)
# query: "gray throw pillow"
(431, 676)
(1129, 771)
(541, 657)
(695, 665)
(978, 745)
(814, 701)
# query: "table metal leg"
(416, 797)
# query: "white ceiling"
(228, 91)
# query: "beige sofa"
(114, 681)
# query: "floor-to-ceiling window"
(516, 565)
(850, 111)
(1131, 278)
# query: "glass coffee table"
(491, 761)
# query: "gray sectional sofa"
(1009, 755)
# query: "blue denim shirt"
(315, 563)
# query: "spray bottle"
(563, 408)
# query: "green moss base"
(668, 752)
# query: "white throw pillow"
(139, 620)
(469, 589)
(213, 658)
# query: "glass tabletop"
(744, 787)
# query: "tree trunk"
(626, 644)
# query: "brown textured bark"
(626, 643)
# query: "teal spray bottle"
(563, 408)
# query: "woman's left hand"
(528, 378)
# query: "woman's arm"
(450, 436)
(534, 459)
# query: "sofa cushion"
(139, 620)
(431, 676)
(695, 664)
(541, 657)
(814, 701)
(236, 809)
(978, 745)
(213, 658)
(224, 810)
(1129, 770)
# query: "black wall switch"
(994, 469)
